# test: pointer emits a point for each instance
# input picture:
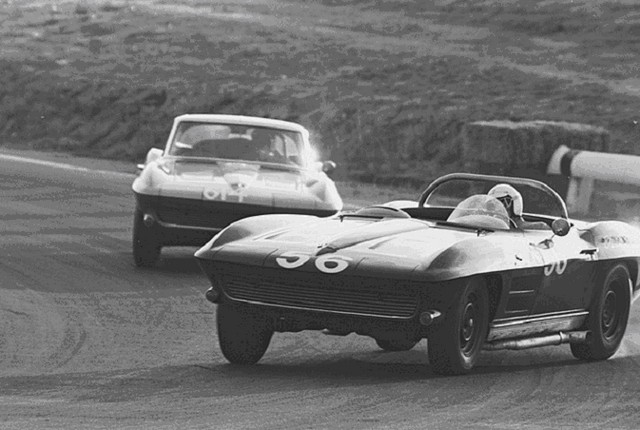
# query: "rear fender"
(633, 266)
(613, 240)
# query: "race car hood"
(250, 183)
(398, 248)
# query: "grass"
(384, 86)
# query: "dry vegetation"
(385, 86)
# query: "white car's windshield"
(238, 142)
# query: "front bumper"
(183, 221)
(309, 301)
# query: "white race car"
(217, 169)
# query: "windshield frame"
(541, 186)
(297, 137)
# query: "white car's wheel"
(243, 337)
(146, 249)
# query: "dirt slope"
(385, 86)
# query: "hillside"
(385, 86)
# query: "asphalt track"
(89, 341)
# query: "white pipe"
(604, 166)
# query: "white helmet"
(509, 197)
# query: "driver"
(265, 140)
(512, 201)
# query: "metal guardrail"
(584, 167)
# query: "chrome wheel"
(468, 328)
(609, 319)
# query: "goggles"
(507, 201)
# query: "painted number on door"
(555, 264)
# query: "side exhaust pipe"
(534, 342)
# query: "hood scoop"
(376, 230)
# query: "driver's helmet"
(509, 197)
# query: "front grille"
(198, 213)
(333, 293)
(194, 213)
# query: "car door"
(567, 272)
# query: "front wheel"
(243, 336)
(454, 348)
(608, 316)
(146, 249)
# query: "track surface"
(89, 341)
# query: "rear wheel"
(146, 248)
(456, 345)
(243, 336)
(396, 344)
(608, 316)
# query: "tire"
(454, 348)
(396, 344)
(243, 337)
(146, 249)
(608, 316)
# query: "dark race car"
(464, 267)
(216, 169)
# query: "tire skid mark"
(31, 328)
(75, 337)
(22, 314)
(554, 380)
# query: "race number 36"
(325, 263)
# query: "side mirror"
(153, 155)
(328, 167)
(560, 226)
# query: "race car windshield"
(480, 211)
(536, 200)
(239, 142)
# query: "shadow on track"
(182, 263)
(206, 380)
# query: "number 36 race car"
(478, 262)
(216, 169)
